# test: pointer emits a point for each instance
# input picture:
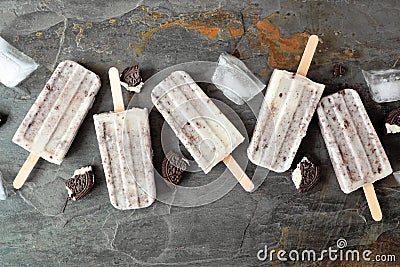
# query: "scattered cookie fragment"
(306, 175)
(3, 119)
(79, 184)
(339, 71)
(173, 166)
(392, 123)
(131, 79)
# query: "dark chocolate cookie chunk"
(306, 175)
(80, 184)
(131, 76)
(3, 119)
(173, 166)
(392, 123)
(339, 70)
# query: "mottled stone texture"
(157, 34)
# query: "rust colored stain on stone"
(265, 72)
(212, 24)
(199, 26)
(283, 53)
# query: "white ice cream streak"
(117, 175)
(354, 156)
(174, 94)
(361, 159)
(58, 111)
(51, 124)
(125, 148)
(130, 155)
(112, 184)
(180, 100)
(287, 109)
(140, 186)
(126, 183)
(122, 183)
(202, 132)
(356, 152)
(282, 118)
(40, 131)
(143, 186)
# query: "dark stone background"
(158, 34)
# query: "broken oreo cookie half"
(79, 184)
(173, 166)
(306, 175)
(392, 122)
(131, 79)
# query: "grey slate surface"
(158, 34)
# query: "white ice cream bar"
(286, 112)
(52, 122)
(125, 148)
(198, 123)
(356, 152)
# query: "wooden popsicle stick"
(239, 174)
(373, 202)
(25, 170)
(307, 55)
(116, 92)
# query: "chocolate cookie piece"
(131, 79)
(173, 166)
(80, 184)
(3, 119)
(392, 122)
(306, 175)
(339, 71)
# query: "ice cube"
(397, 176)
(15, 66)
(235, 80)
(3, 194)
(384, 85)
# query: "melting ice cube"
(384, 85)
(397, 176)
(15, 66)
(235, 80)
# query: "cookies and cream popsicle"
(289, 104)
(282, 123)
(125, 149)
(51, 124)
(198, 123)
(356, 152)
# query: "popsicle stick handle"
(239, 174)
(25, 170)
(373, 203)
(307, 55)
(116, 92)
